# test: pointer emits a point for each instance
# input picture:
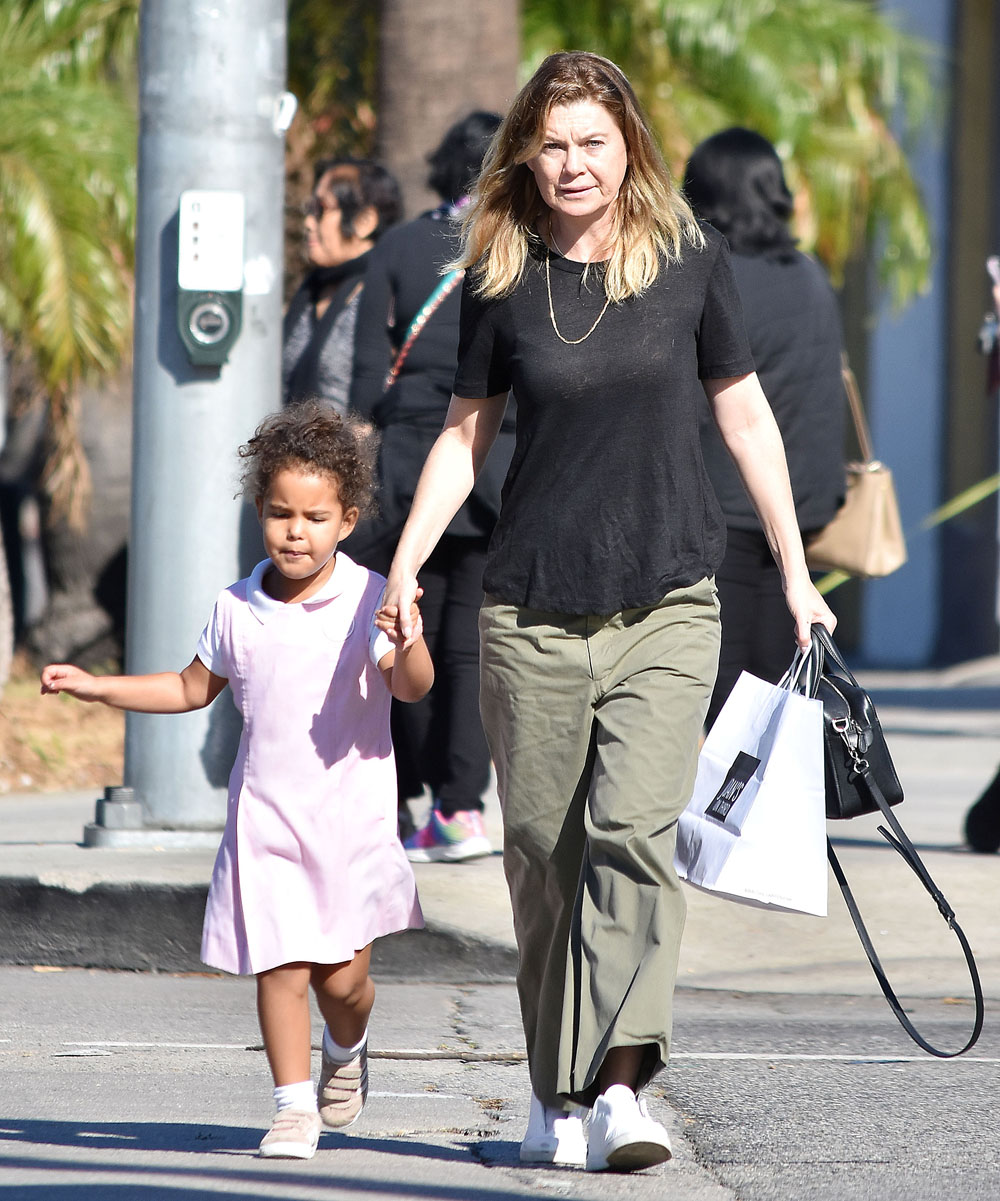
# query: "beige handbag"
(866, 537)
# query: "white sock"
(296, 1096)
(338, 1053)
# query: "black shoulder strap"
(899, 841)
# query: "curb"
(141, 927)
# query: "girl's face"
(303, 522)
(582, 163)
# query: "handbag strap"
(900, 842)
(823, 648)
(857, 412)
(428, 309)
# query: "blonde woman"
(594, 294)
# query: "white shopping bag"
(754, 830)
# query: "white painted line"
(165, 1046)
(429, 1096)
(467, 1055)
(764, 1057)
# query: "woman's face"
(326, 243)
(582, 163)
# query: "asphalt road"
(116, 1086)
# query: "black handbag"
(853, 742)
(861, 778)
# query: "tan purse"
(866, 537)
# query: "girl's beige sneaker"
(343, 1089)
(294, 1134)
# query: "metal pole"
(212, 116)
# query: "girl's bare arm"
(408, 671)
(164, 692)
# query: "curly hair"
(311, 438)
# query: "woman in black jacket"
(734, 180)
(352, 203)
(404, 367)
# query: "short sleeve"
(723, 346)
(483, 368)
(210, 648)
(379, 643)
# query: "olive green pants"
(594, 725)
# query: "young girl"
(310, 870)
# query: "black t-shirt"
(606, 505)
(793, 325)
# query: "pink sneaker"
(449, 839)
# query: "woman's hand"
(387, 620)
(807, 607)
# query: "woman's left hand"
(808, 608)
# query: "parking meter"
(210, 274)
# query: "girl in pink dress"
(310, 870)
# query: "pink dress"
(310, 867)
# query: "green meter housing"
(210, 274)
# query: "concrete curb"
(148, 927)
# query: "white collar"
(263, 606)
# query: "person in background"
(734, 180)
(594, 293)
(404, 367)
(352, 204)
(982, 822)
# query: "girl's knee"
(346, 984)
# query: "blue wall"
(907, 393)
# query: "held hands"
(398, 615)
(387, 620)
(64, 677)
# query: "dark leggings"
(439, 741)
(758, 634)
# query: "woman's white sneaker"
(553, 1136)
(622, 1136)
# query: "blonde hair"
(653, 221)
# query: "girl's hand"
(807, 607)
(387, 620)
(64, 677)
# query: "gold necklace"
(552, 312)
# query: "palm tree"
(67, 206)
(822, 79)
(437, 61)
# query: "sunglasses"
(318, 208)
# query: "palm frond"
(838, 89)
(67, 204)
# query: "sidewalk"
(64, 904)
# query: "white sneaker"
(553, 1136)
(622, 1135)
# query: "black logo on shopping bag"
(736, 780)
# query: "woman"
(594, 293)
(734, 180)
(352, 204)
(408, 303)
